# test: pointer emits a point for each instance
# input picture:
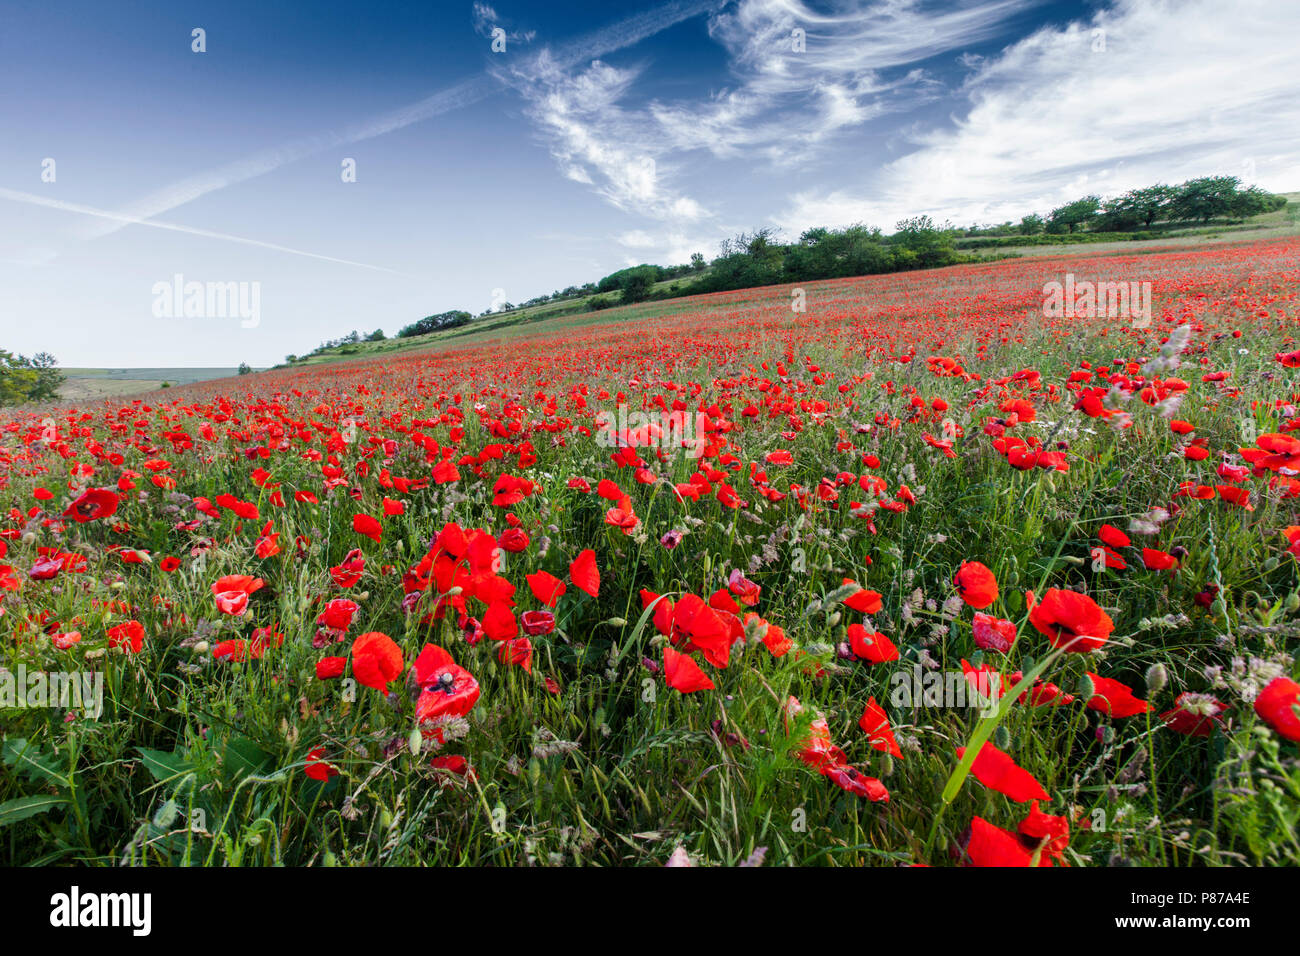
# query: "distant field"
(83, 384)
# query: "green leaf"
(14, 810)
(163, 765)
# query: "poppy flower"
(862, 600)
(584, 573)
(1112, 536)
(317, 768)
(875, 724)
(499, 622)
(92, 504)
(871, 646)
(327, 668)
(1279, 705)
(1044, 832)
(451, 763)
(537, 622)
(516, 652)
(683, 674)
(446, 688)
(993, 633)
(376, 660)
(998, 771)
(1071, 620)
(348, 572)
(232, 592)
(129, 636)
(745, 590)
(1115, 698)
(990, 845)
(368, 526)
(1194, 715)
(976, 584)
(546, 587)
(853, 781)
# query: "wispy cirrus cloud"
(623, 33)
(126, 220)
(1144, 90)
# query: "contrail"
(122, 219)
(598, 43)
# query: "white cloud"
(1182, 88)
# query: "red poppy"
(446, 688)
(348, 572)
(1044, 832)
(376, 660)
(232, 592)
(327, 668)
(871, 646)
(92, 504)
(584, 574)
(998, 771)
(516, 652)
(546, 587)
(990, 845)
(129, 636)
(1115, 698)
(368, 526)
(862, 600)
(1195, 715)
(993, 633)
(1112, 536)
(976, 584)
(317, 768)
(1071, 620)
(875, 724)
(1279, 705)
(683, 674)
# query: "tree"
(1074, 215)
(245, 368)
(1152, 203)
(376, 336)
(25, 379)
(1032, 224)
(1206, 198)
(697, 262)
(637, 284)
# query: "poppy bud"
(1085, 689)
(886, 765)
(415, 741)
(833, 619)
(1292, 602)
(1157, 678)
(1270, 564)
(1002, 738)
(200, 648)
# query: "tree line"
(760, 258)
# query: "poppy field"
(925, 573)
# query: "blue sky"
(605, 134)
